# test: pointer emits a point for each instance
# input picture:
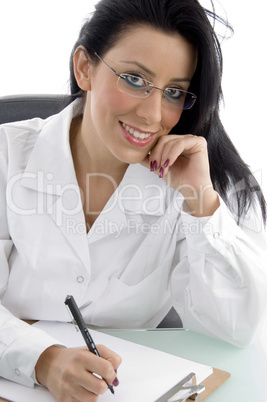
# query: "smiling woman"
(133, 199)
(115, 107)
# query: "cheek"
(112, 102)
(171, 118)
(119, 101)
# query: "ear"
(82, 68)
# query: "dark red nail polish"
(151, 166)
(116, 382)
(166, 163)
(155, 166)
(161, 172)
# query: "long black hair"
(109, 22)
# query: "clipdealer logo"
(29, 194)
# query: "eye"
(134, 80)
(175, 93)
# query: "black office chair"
(23, 107)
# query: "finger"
(110, 356)
(187, 141)
(90, 384)
(113, 358)
(153, 161)
(175, 147)
(105, 366)
(156, 155)
(164, 155)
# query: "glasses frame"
(150, 87)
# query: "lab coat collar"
(51, 160)
(140, 198)
(141, 192)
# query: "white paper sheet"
(145, 373)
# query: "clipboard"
(213, 382)
(187, 390)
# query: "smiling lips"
(136, 137)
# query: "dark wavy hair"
(109, 22)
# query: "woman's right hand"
(68, 372)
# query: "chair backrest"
(23, 107)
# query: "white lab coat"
(143, 254)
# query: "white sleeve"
(20, 344)
(219, 285)
(20, 347)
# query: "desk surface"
(248, 366)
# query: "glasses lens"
(189, 101)
(133, 85)
(138, 87)
(178, 99)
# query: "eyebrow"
(148, 71)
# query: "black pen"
(77, 316)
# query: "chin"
(131, 157)
(133, 160)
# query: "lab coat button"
(216, 235)
(17, 372)
(80, 279)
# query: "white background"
(36, 39)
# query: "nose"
(150, 108)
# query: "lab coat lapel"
(110, 222)
(50, 172)
(143, 192)
(140, 196)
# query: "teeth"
(135, 133)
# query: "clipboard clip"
(183, 390)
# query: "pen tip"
(111, 389)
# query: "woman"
(133, 199)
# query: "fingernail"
(153, 166)
(116, 382)
(166, 163)
(161, 172)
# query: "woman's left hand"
(182, 161)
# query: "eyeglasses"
(139, 87)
